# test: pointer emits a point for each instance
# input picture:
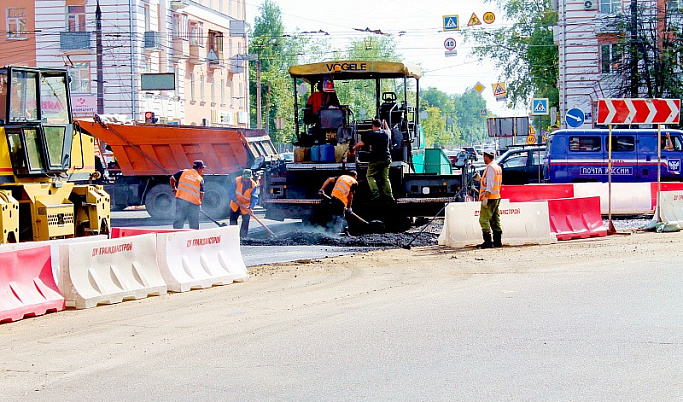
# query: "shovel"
(220, 224)
(262, 224)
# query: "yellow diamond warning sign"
(479, 87)
(474, 20)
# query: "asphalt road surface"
(589, 320)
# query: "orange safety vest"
(342, 188)
(497, 182)
(189, 186)
(244, 197)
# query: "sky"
(416, 26)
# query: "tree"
(646, 62)
(525, 51)
(434, 128)
(467, 109)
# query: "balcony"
(74, 40)
(196, 56)
(181, 48)
(152, 41)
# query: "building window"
(610, 6)
(192, 88)
(220, 6)
(80, 78)
(201, 88)
(216, 43)
(222, 91)
(180, 24)
(147, 17)
(75, 17)
(611, 58)
(197, 34)
(213, 90)
(16, 23)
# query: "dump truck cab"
(41, 157)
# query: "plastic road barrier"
(576, 218)
(533, 192)
(110, 271)
(627, 198)
(124, 232)
(666, 186)
(671, 206)
(523, 223)
(27, 287)
(54, 249)
(200, 259)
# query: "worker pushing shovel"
(342, 198)
(243, 198)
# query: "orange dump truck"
(142, 157)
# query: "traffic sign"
(530, 139)
(539, 106)
(489, 17)
(474, 20)
(449, 44)
(483, 112)
(451, 23)
(574, 117)
(639, 111)
(450, 53)
(479, 87)
(499, 89)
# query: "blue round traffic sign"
(574, 117)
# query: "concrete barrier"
(110, 271)
(523, 223)
(534, 192)
(671, 206)
(124, 232)
(576, 218)
(627, 198)
(27, 287)
(666, 186)
(200, 259)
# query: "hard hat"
(247, 173)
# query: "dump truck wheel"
(160, 202)
(216, 201)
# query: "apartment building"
(589, 35)
(182, 60)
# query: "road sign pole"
(659, 170)
(611, 229)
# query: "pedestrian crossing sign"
(474, 20)
(539, 106)
(451, 23)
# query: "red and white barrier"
(200, 259)
(54, 249)
(576, 218)
(534, 192)
(27, 287)
(522, 222)
(110, 271)
(117, 232)
(671, 206)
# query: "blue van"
(581, 155)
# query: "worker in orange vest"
(489, 195)
(188, 187)
(243, 198)
(342, 196)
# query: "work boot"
(497, 239)
(487, 240)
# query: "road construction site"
(588, 319)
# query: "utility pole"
(635, 81)
(258, 92)
(100, 68)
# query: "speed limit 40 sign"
(449, 44)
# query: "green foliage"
(472, 126)
(434, 128)
(525, 51)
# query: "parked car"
(522, 165)
(287, 156)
